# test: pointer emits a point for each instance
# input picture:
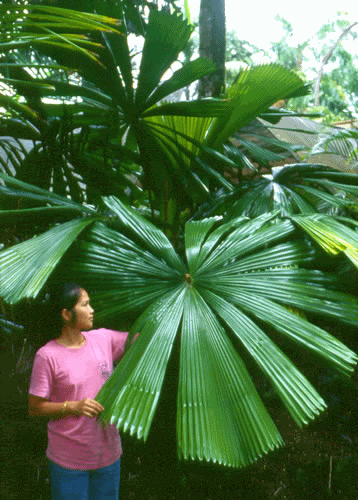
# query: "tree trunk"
(212, 34)
(325, 60)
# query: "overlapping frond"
(332, 235)
(339, 142)
(166, 36)
(25, 25)
(25, 268)
(297, 189)
(271, 82)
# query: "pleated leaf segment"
(25, 267)
(239, 281)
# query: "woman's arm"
(41, 407)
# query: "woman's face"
(82, 315)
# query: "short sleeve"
(41, 377)
(118, 341)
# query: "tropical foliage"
(118, 129)
(335, 96)
(222, 293)
(341, 142)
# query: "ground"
(320, 462)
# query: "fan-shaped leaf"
(25, 268)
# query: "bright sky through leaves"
(255, 21)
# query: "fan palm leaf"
(333, 236)
(339, 142)
(215, 387)
(271, 82)
(25, 268)
(27, 25)
(160, 49)
(35, 33)
(297, 188)
(235, 286)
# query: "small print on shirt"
(104, 369)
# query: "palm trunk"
(212, 33)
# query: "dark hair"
(66, 296)
(58, 297)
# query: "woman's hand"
(88, 407)
(41, 407)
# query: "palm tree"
(221, 297)
(119, 129)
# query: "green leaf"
(299, 330)
(150, 235)
(271, 82)
(215, 387)
(10, 103)
(21, 85)
(300, 398)
(249, 236)
(11, 216)
(190, 132)
(25, 268)
(184, 152)
(166, 35)
(187, 74)
(295, 188)
(123, 275)
(35, 13)
(195, 235)
(131, 394)
(330, 234)
(291, 287)
(15, 188)
(205, 108)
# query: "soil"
(317, 462)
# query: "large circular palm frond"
(238, 282)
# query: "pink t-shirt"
(65, 374)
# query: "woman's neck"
(71, 337)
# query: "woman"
(68, 372)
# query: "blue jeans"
(99, 484)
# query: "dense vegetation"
(175, 218)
